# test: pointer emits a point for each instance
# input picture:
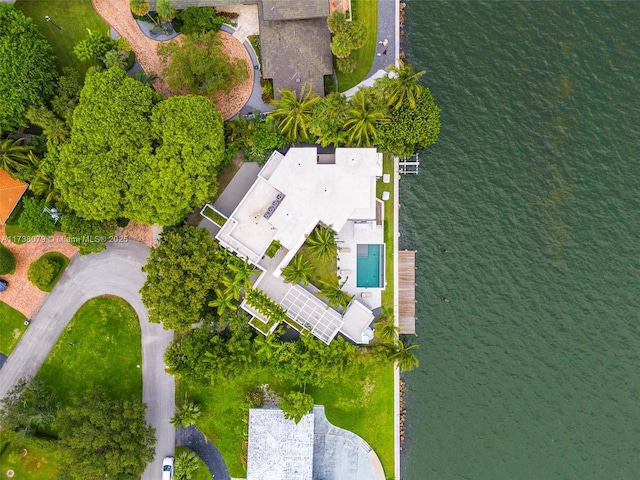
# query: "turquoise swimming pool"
(370, 266)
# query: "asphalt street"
(115, 271)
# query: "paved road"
(192, 438)
(115, 271)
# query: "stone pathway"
(192, 438)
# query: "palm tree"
(342, 45)
(299, 270)
(42, 185)
(386, 330)
(292, 115)
(322, 241)
(224, 301)
(404, 357)
(336, 297)
(165, 10)
(362, 120)
(143, 77)
(13, 155)
(403, 87)
(186, 415)
(232, 285)
(337, 22)
(242, 272)
(53, 128)
(327, 121)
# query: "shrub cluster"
(43, 271)
(7, 261)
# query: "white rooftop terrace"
(307, 190)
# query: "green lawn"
(39, 463)
(11, 328)
(362, 403)
(389, 214)
(364, 11)
(100, 346)
(202, 473)
(62, 263)
(74, 17)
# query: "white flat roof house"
(291, 195)
(280, 449)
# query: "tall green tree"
(13, 155)
(410, 128)
(402, 86)
(27, 68)
(341, 45)
(139, 7)
(327, 121)
(363, 119)
(296, 405)
(336, 297)
(386, 330)
(225, 300)
(94, 45)
(299, 270)
(34, 219)
(292, 115)
(197, 20)
(101, 437)
(404, 357)
(67, 93)
(198, 65)
(187, 414)
(337, 22)
(165, 10)
(322, 241)
(186, 465)
(129, 156)
(242, 271)
(89, 236)
(182, 273)
(52, 127)
(42, 185)
(27, 407)
(189, 149)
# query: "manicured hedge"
(45, 272)
(7, 261)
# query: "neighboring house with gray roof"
(182, 4)
(295, 43)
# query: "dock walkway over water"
(407, 291)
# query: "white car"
(167, 468)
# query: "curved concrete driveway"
(115, 271)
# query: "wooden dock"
(407, 291)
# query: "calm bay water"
(531, 370)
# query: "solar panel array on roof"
(321, 320)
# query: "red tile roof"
(11, 190)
